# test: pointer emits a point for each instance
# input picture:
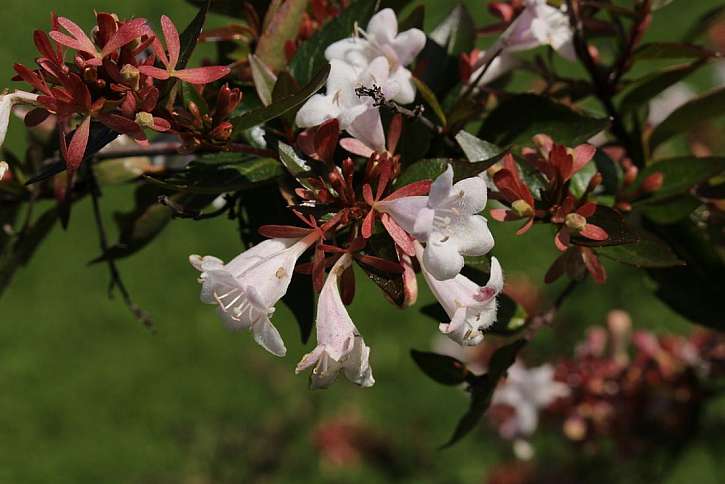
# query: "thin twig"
(546, 318)
(116, 281)
(604, 90)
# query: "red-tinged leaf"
(582, 155)
(410, 282)
(381, 264)
(318, 269)
(77, 147)
(367, 225)
(385, 170)
(400, 236)
(500, 214)
(126, 33)
(525, 227)
(79, 41)
(618, 231)
(202, 75)
(591, 231)
(394, 131)
(42, 43)
(347, 286)
(171, 36)
(161, 125)
(154, 72)
(367, 193)
(281, 25)
(587, 210)
(283, 231)
(414, 189)
(356, 147)
(326, 139)
(35, 117)
(32, 78)
(593, 265)
(561, 239)
(557, 269)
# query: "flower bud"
(575, 428)
(595, 181)
(131, 76)
(522, 208)
(144, 119)
(3, 170)
(630, 174)
(653, 182)
(575, 222)
(223, 131)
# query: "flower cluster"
(366, 71)
(113, 80)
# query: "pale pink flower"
(339, 344)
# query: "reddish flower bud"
(653, 182)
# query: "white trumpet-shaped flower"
(7, 102)
(247, 288)
(358, 115)
(538, 24)
(527, 390)
(382, 39)
(339, 344)
(447, 221)
(472, 308)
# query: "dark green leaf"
(414, 20)
(264, 79)
(704, 23)
(444, 369)
(457, 32)
(648, 252)
(415, 141)
(482, 389)
(426, 169)
(431, 99)
(670, 50)
(694, 291)
(643, 90)
(612, 222)
(278, 108)
(475, 148)
(300, 299)
(671, 210)
(518, 118)
(190, 36)
(681, 174)
(580, 180)
(310, 57)
(689, 115)
(297, 167)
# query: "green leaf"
(281, 25)
(297, 167)
(444, 369)
(689, 115)
(671, 50)
(518, 118)
(457, 32)
(648, 252)
(278, 108)
(121, 170)
(431, 99)
(580, 180)
(310, 57)
(23, 246)
(190, 36)
(643, 90)
(612, 222)
(680, 174)
(704, 23)
(425, 169)
(671, 210)
(693, 291)
(380, 245)
(475, 148)
(264, 79)
(482, 389)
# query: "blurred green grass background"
(88, 395)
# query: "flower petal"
(443, 260)
(267, 336)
